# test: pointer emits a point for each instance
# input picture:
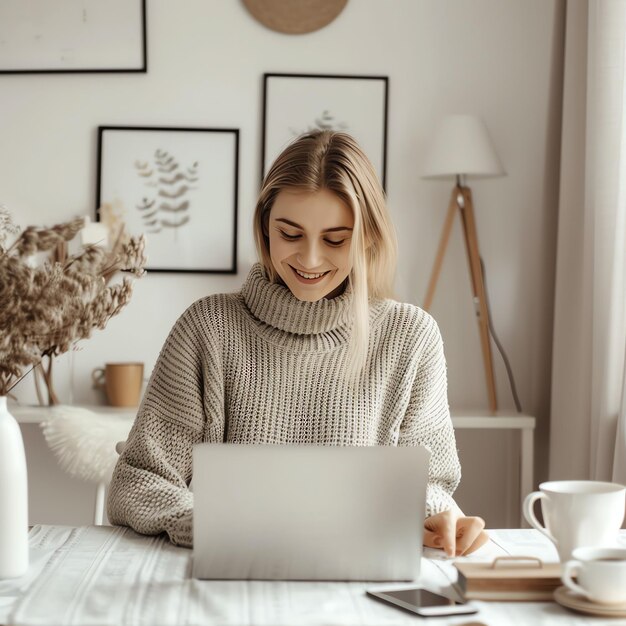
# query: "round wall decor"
(295, 17)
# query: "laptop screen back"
(308, 512)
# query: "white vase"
(13, 497)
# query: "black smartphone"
(424, 602)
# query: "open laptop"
(275, 512)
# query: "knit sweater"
(259, 366)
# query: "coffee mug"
(121, 381)
(601, 574)
(577, 513)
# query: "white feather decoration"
(84, 442)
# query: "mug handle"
(529, 514)
(570, 570)
(97, 377)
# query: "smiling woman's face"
(310, 233)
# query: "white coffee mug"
(601, 574)
(577, 513)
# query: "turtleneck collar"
(275, 305)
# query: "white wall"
(500, 59)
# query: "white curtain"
(588, 412)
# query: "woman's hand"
(454, 533)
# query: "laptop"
(293, 512)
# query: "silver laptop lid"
(308, 512)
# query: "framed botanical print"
(298, 103)
(178, 187)
(46, 36)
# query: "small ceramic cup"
(122, 383)
(601, 574)
(578, 513)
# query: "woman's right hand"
(454, 533)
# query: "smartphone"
(424, 602)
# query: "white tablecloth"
(101, 575)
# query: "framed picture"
(41, 37)
(297, 103)
(178, 187)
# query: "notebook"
(509, 578)
(280, 512)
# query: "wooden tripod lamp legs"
(461, 199)
(445, 236)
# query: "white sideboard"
(524, 425)
(38, 414)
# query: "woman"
(311, 350)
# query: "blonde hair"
(334, 161)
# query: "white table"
(112, 576)
(483, 420)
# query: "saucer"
(566, 597)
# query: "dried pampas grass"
(48, 307)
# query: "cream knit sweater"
(261, 366)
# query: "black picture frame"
(365, 97)
(71, 47)
(198, 168)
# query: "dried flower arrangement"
(48, 306)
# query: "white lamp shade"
(462, 146)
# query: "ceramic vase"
(13, 497)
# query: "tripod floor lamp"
(461, 147)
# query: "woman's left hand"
(456, 534)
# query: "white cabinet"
(71, 501)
